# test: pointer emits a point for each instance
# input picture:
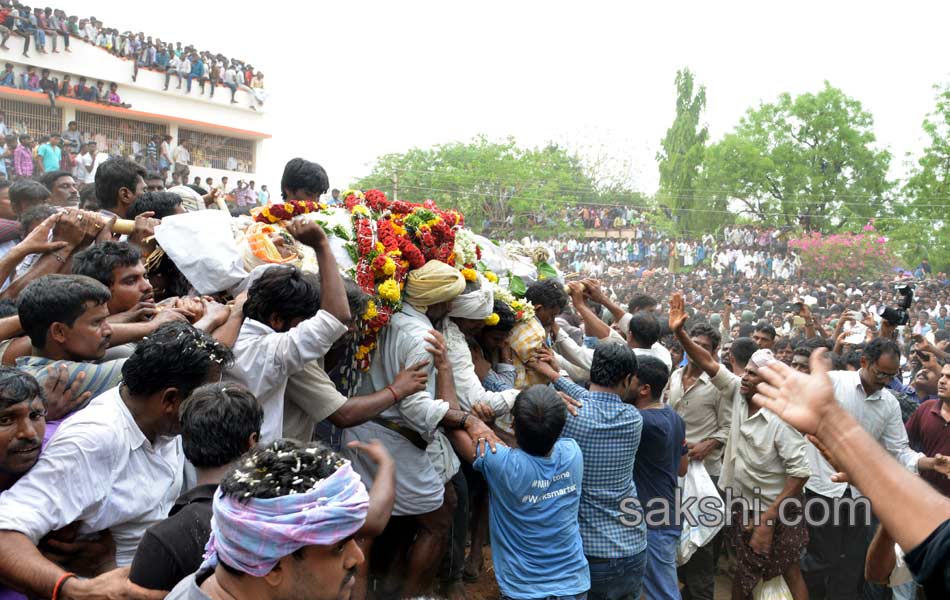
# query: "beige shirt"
(762, 452)
(706, 408)
(311, 397)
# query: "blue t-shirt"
(51, 155)
(656, 471)
(535, 539)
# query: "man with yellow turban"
(410, 426)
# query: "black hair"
(153, 175)
(113, 175)
(27, 191)
(284, 290)
(838, 362)
(539, 415)
(7, 308)
(612, 364)
(87, 197)
(18, 386)
(300, 174)
(742, 350)
(506, 318)
(644, 328)
(802, 350)
(56, 299)
(217, 421)
(653, 372)
(280, 468)
(781, 344)
(641, 302)
(49, 179)
(879, 347)
(767, 330)
(355, 297)
(704, 329)
(746, 330)
(197, 188)
(175, 355)
(35, 214)
(547, 293)
(162, 204)
(100, 260)
(853, 359)
(941, 335)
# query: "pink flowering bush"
(844, 254)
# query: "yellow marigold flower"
(395, 253)
(491, 277)
(370, 312)
(398, 229)
(380, 247)
(390, 267)
(289, 207)
(492, 320)
(469, 274)
(389, 291)
(433, 221)
(359, 209)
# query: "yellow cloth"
(525, 340)
(434, 283)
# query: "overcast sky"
(350, 80)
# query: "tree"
(486, 180)
(681, 157)
(809, 161)
(921, 228)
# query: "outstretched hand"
(800, 400)
(677, 313)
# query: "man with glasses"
(834, 563)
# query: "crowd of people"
(185, 63)
(155, 442)
(79, 155)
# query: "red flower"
(351, 201)
(411, 253)
(376, 200)
(401, 208)
(478, 252)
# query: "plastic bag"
(202, 247)
(773, 589)
(697, 484)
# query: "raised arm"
(332, 292)
(696, 353)
(593, 326)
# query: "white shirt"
(879, 414)
(657, 350)
(468, 388)
(99, 469)
(264, 359)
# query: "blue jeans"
(576, 597)
(617, 578)
(659, 580)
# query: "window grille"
(218, 151)
(34, 119)
(116, 136)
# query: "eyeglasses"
(881, 375)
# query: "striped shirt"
(100, 377)
(608, 432)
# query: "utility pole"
(395, 185)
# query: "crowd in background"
(156, 440)
(186, 63)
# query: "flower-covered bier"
(284, 211)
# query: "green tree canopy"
(486, 179)
(809, 161)
(681, 158)
(923, 230)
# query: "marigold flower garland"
(286, 211)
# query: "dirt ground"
(486, 588)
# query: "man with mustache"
(22, 422)
(285, 523)
(115, 465)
